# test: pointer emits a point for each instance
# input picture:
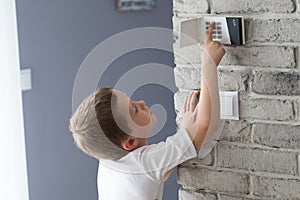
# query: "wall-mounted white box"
(229, 105)
(228, 30)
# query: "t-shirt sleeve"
(157, 159)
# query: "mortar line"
(240, 67)
(209, 2)
(254, 16)
(262, 147)
(298, 161)
(215, 156)
(297, 57)
(272, 97)
(269, 175)
(251, 133)
(251, 185)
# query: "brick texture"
(189, 77)
(256, 159)
(253, 6)
(256, 56)
(260, 56)
(276, 188)
(275, 135)
(297, 110)
(234, 79)
(187, 6)
(208, 160)
(276, 30)
(266, 109)
(201, 178)
(225, 197)
(236, 131)
(193, 195)
(276, 83)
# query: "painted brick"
(187, 6)
(276, 83)
(260, 56)
(297, 109)
(179, 101)
(225, 197)
(276, 30)
(187, 55)
(230, 198)
(277, 188)
(193, 195)
(275, 135)
(236, 131)
(245, 68)
(187, 77)
(253, 6)
(252, 107)
(233, 79)
(222, 181)
(266, 109)
(208, 161)
(257, 56)
(256, 159)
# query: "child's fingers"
(193, 101)
(185, 104)
(210, 32)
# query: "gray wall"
(55, 36)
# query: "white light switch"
(25, 79)
(229, 105)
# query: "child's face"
(139, 117)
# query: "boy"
(112, 128)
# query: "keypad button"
(217, 31)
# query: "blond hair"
(94, 128)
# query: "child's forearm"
(209, 102)
(204, 120)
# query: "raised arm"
(202, 118)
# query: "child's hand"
(190, 112)
(212, 48)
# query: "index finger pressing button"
(210, 31)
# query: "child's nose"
(142, 104)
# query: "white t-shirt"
(140, 174)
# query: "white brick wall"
(258, 156)
(253, 6)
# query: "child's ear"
(130, 143)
